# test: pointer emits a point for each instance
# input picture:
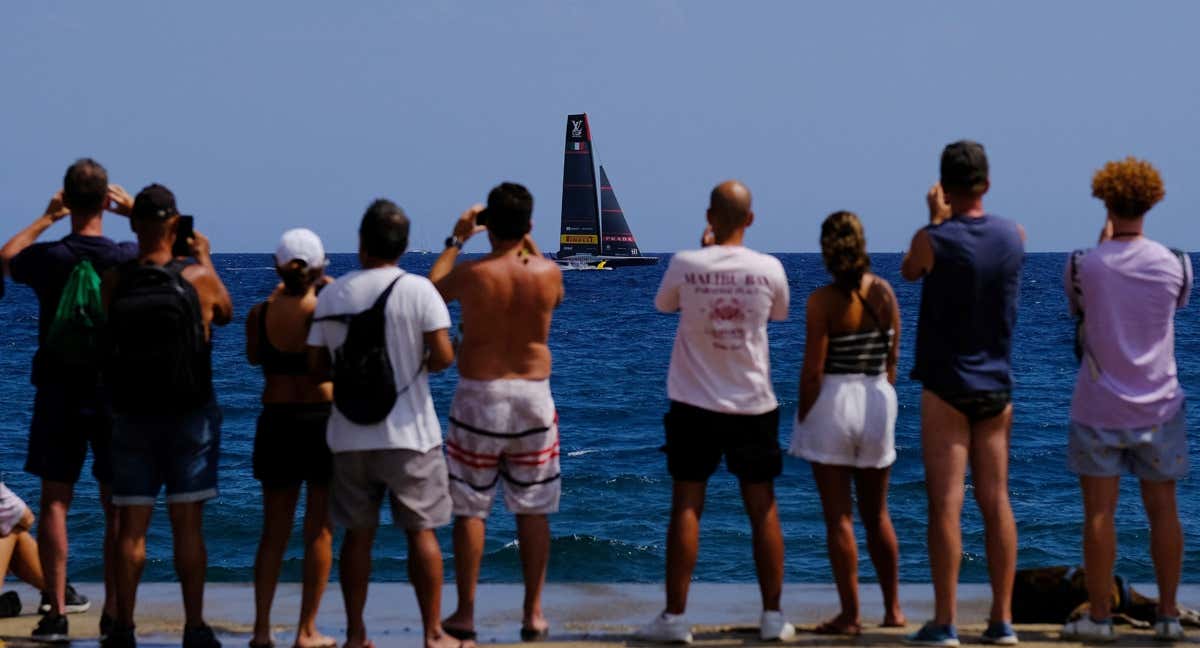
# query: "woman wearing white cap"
(290, 447)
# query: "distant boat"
(593, 232)
(581, 264)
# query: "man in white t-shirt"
(722, 402)
(399, 456)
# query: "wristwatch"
(453, 241)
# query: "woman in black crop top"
(847, 415)
(289, 446)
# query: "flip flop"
(530, 634)
(459, 633)
(831, 628)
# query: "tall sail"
(618, 238)
(580, 214)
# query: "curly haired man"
(1127, 411)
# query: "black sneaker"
(52, 629)
(118, 636)
(200, 636)
(106, 625)
(10, 605)
(74, 602)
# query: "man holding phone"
(167, 424)
(503, 424)
(184, 231)
(69, 411)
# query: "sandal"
(832, 628)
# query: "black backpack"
(158, 359)
(364, 383)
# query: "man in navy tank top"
(970, 263)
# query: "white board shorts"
(852, 423)
(503, 431)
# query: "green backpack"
(74, 336)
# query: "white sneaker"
(666, 628)
(1087, 629)
(772, 627)
(1168, 629)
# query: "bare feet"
(444, 640)
(314, 640)
(894, 619)
(842, 624)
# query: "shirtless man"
(167, 426)
(502, 422)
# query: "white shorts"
(503, 431)
(852, 423)
(12, 509)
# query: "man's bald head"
(729, 207)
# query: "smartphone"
(182, 233)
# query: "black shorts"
(978, 406)
(290, 447)
(65, 422)
(697, 439)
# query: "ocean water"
(611, 351)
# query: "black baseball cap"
(964, 165)
(155, 202)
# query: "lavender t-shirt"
(1129, 293)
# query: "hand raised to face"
(466, 227)
(56, 210)
(119, 201)
(939, 209)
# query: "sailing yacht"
(594, 232)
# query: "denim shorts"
(179, 451)
(1153, 453)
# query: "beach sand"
(584, 615)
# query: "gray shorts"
(415, 482)
(1155, 453)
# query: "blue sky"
(264, 116)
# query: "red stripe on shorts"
(467, 453)
(536, 453)
(534, 462)
(468, 462)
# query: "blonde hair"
(844, 248)
(1129, 187)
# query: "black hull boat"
(604, 262)
(594, 232)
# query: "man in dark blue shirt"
(969, 262)
(69, 411)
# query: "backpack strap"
(1184, 266)
(1075, 257)
(380, 303)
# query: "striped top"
(865, 352)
